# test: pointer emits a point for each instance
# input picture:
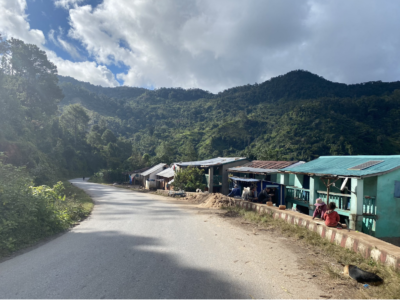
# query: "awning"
(244, 179)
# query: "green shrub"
(189, 179)
(30, 213)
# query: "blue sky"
(207, 44)
(46, 16)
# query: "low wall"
(364, 244)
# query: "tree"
(190, 179)
(75, 120)
(108, 137)
(188, 152)
(37, 77)
(165, 153)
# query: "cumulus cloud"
(67, 3)
(84, 71)
(14, 23)
(58, 41)
(215, 45)
(219, 44)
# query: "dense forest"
(58, 127)
(295, 116)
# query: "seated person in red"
(320, 209)
(331, 217)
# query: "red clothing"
(331, 218)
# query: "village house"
(216, 171)
(135, 177)
(149, 176)
(262, 174)
(164, 178)
(365, 188)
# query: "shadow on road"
(108, 265)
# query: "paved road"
(138, 245)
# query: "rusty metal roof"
(264, 166)
(269, 164)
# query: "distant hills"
(298, 115)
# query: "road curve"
(137, 245)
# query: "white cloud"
(219, 44)
(67, 3)
(14, 23)
(58, 41)
(84, 71)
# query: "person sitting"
(320, 209)
(331, 217)
(235, 191)
(252, 195)
(264, 196)
(272, 194)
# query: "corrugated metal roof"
(211, 162)
(252, 170)
(269, 164)
(244, 179)
(167, 173)
(153, 169)
(339, 165)
(264, 166)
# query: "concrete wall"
(388, 207)
(367, 246)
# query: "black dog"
(361, 275)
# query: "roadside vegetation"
(29, 214)
(390, 289)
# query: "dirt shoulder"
(320, 260)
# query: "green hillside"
(298, 115)
(57, 127)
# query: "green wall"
(298, 180)
(388, 207)
(291, 180)
(370, 189)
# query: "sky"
(210, 44)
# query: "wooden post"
(327, 192)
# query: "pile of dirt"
(215, 200)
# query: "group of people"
(266, 194)
(327, 213)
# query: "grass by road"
(28, 231)
(328, 253)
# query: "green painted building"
(366, 190)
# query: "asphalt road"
(137, 245)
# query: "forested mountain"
(59, 127)
(295, 116)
